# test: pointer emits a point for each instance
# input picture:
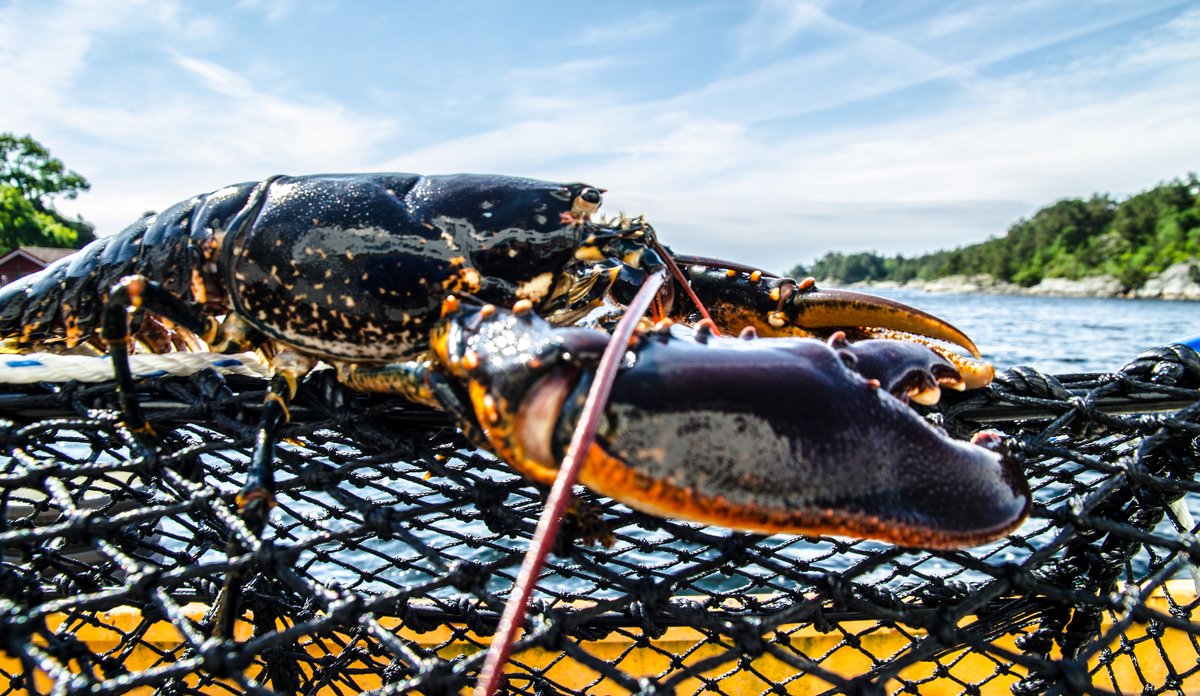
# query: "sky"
(765, 132)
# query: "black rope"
(394, 546)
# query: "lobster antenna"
(710, 262)
(683, 282)
(560, 493)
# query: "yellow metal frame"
(161, 644)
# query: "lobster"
(488, 297)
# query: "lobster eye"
(587, 201)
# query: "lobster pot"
(394, 546)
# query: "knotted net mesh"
(394, 546)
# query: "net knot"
(142, 584)
(747, 638)
(267, 556)
(937, 593)
(468, 576)
(414, 619)
(1173, 365)
(551, 631)
(1135, 473)
(396, 670)
(648, 597)
(942, 625)
(473, 619)
(1026, 381)
(318, 477)
(222, 659)
(382, 521)
(734, 548)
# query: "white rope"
(49, 367)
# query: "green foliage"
(29, 178)
(1073, 238)
(26, 165)
(23, 224)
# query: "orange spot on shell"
(490, 412)
(199, 291)
(135, 287)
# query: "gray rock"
(1177, 282)
(1181, 281)
(1092, 286)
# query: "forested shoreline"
(1131, 241)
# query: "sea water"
(1060, 335)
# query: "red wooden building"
(25, 260)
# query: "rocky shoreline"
(1178, 282)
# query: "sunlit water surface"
(1060, 334)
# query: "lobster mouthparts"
(770, 435)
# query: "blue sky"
(767, 132)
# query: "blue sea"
(1060, 335)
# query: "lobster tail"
(63, 303)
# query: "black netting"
(394, 546)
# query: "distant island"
(1147, 245)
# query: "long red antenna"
(683, 282)
(560, 493)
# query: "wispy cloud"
(208, 126)
(789, 131)
(773, 23)
(43, 50)
(647, 24)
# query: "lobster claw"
(769, 435)
(785, 307)
(908, 370)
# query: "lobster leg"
(418, 381)
(257, 496)
(134, 294)
(137, 294)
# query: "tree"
(27, 166)
(22, 224)
(1071, 238)
(29, 178)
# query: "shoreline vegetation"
(1178, 282)
(1146, 246)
